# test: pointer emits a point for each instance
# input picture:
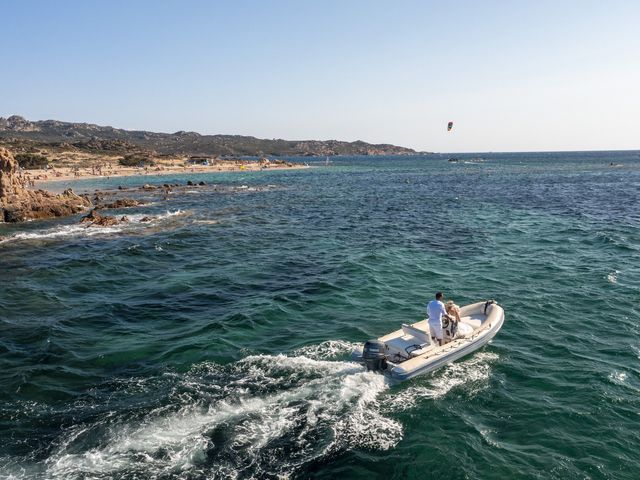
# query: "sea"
(212, 341)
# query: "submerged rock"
(97, 220)
(123, 203)
(17, 203)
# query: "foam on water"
(472, 373)
(330, 349)
(84, 230)
(261, 405)
(618, 377)
(64, 231)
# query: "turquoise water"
(213, 342)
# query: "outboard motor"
(374, 355)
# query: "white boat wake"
(265, 414)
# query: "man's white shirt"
(435, 311)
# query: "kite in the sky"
(449, 126)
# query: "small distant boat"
(411, 351)
(474, 160)
(327, 162)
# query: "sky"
(515, 75)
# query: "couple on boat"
(437, 312)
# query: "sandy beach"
(42, 177)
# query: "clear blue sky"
(513, 75)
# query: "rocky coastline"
(18, 203)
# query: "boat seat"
(421, 335)
(400, 345)
(474, 322)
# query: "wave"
(618, 377)
(84, 230)
(261, 405)
(265, 415)
(63, 231)
(472, 374)
(328, 350)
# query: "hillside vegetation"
(22, 134)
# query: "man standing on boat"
(435, 311)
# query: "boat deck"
(404, 343)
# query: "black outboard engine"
(374, 355)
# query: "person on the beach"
(453, 310)
(435, 311)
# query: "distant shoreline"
(68, 174)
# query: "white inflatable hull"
(406, 360)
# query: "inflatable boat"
(412, 351)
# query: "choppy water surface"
(213, 341)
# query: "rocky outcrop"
(97, 220)
(17, 203)
(17, 123)
(122, 203)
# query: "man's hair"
(439, 295)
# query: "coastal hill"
(19, 132)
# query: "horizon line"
(417, 152)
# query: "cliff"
(17, 203)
